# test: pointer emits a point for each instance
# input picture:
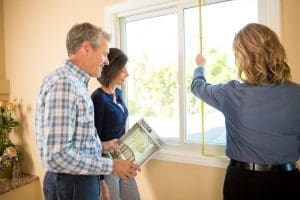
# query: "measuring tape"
(203, 151)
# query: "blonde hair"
(259, 55)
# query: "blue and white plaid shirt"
(65, 131)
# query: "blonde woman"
(262, 116)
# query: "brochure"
(138, 144)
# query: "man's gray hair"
(84, 32)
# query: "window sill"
(191, 157)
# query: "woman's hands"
(200, 60)
(111, 145)
(105, 193)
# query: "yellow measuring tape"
(203, 151)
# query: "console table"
(25, 187)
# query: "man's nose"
(106, 61)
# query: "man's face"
(97, 58)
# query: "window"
(153, 68)
(161, 41)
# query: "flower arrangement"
(9, 152)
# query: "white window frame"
(269, 13)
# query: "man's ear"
(86, 47)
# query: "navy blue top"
(262, 122)
(110, 118)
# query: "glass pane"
(153, 68)
(220, 22)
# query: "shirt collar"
(77, 72)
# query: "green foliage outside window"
(156, 89)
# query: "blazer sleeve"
(211, 94)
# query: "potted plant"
(10, 154)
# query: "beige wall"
(2, 68)
(162, 180)
(34, 44)
(4, 84)
(291, 33)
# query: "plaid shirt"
(66, 135)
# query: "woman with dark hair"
(110, 119)
(262, 117)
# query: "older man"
(69, 146)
